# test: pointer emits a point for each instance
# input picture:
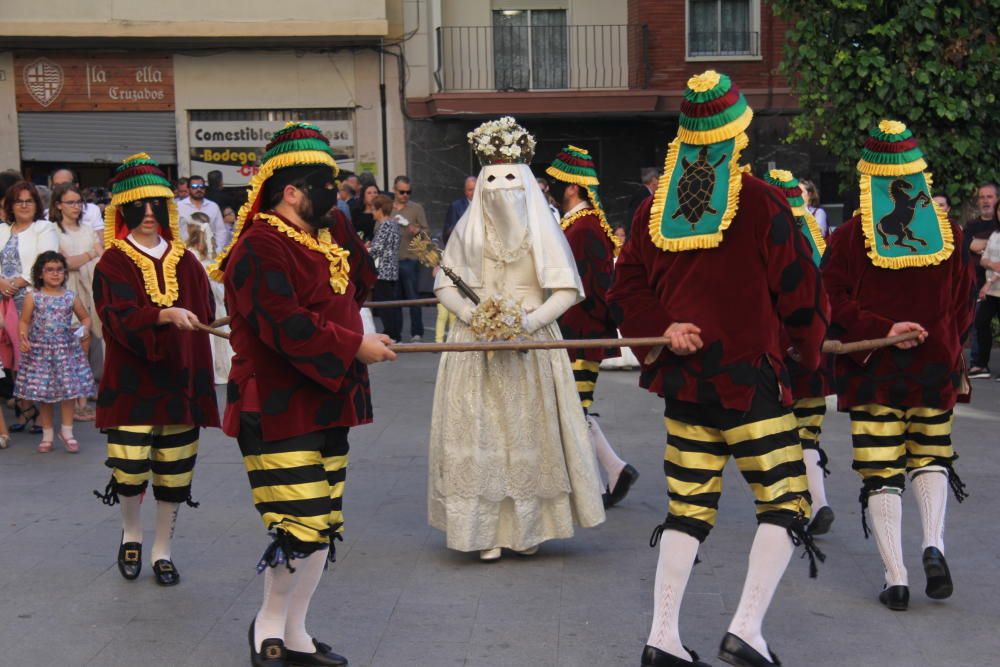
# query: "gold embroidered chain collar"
(340, 268)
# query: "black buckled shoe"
(654, 657)
(737, 652)
(166, 573)
(896, 598)
(130, 559)
(322, 657)
(272, 651)
(626, 479)
(939, 584)
(820, 525)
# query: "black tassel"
(957, 485)
(277, 553)
(801, 537)
(863, 499)
(331, 557)
(192, 503)
(823, 460)
(654, 539)
(110, 495)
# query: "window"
(722, 28)
(530, 49)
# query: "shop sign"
(236, 147)
(100, 82)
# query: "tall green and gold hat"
(140, 177)
(698, 196)
(903, 227)
(295, 146)
(790, 187)
(574, 165)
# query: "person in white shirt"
(219, 234)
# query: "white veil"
(554, 263)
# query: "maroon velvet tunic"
(868, 300)
(294, 338)
(591, 318)
(760, 278)
(153, 374)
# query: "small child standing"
(53, 366)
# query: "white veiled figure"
(510, 464)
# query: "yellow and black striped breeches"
(888, 442)
(165, 453)
(297, 483)
(765, 443)
(809, 413)
(585, 373)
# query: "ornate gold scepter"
(429, 255)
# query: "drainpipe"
(382, 103)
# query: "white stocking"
(270, 621)
(886, 512)
(131, 518)
(772, 549)
(814, 474)
(606, 456)
(166, 519)
(677, 553)
(308, 572)
(930, 486)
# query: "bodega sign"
(236, 147)
(98, 82)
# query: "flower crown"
(502, 141)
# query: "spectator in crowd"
(457, 208)
(650, 178)
(385, 252)
(621, 234)
(229, 219)
(181, 189)
(364, 215)
(944, 203)
(100, 198)
(345, 195)
(8, 178)
(82, 248)
(409, 266)
(811, 195)
(549, 199)
(54, 369)
(354, 182)
(197, 243)
(218, 234)
(23, 237)
(91, 216)
(365, 179)
(215, 192)
(989, 300)
(977, 233)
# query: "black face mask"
(134, 211)
(322, 194)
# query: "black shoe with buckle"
(271, 654)
(166, 573)
(822, 521)
(939, 584)
(322, 657)
(626, 478)
(737, 652)
(654, 657)
(896, 598)
(130, 559)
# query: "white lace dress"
(510, 464)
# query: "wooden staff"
(373, 305)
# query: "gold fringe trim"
(147, 265)
(814, 230)
(873, 169)
(567, 222)
(256, 185)
(727, 131)
(340, 268)
(701, 241)
(868, 228)
(567, 177)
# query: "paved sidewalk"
(397, 597)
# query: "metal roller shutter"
(80, 136)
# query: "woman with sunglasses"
(81, 246)
(23, 236)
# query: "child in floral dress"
(53, 366)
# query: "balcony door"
(530, 49)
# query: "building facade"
(606, 76)
(196, 85)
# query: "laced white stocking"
(772, 549)
(677, 553)
(931, 488)
(886, 511)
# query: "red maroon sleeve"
(794, 282)
(320, 349)
(964, 281)
(595, 264)
(126, 317)
(851, 321)
(363, 272)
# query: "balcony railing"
(520, 58)
(708, 44)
